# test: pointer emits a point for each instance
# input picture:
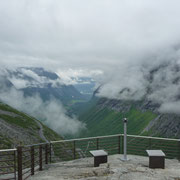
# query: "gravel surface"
(134, 169)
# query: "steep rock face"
(115, 105)
(166, 125)
(125, 106)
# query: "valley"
(100, 116)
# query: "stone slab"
(96, 153)
(155, 153)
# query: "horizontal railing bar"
(36, 161)
(134, 148)
(25, 172)
(93, 138)
(6, 155)
(100, 137)
(25, 151)
(89, 138)
(27, 177)
(7, 150)
(3, 167)
(8, 178)
(7, 160)
(26, 161)
(11, 172)
(150, 137)
(165, 147)
(36, 144)
(27, 166)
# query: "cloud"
(124, 39)
(19, 83)
(170, 107)
(51, 112)
(23, 77)
(127, 84)
(31, 74)
(159, 83)
(92, 34)
(73, 76)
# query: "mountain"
(106, 118)
(32, 81)
(17, 128)
(155, 114)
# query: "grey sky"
(86, 33)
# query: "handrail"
(8, 150)
(81, 139)
(36, 144)
(99, 137)
(150, 137)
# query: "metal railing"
(24, 161)
(8, 164)
(31, 159)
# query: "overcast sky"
(94, 34)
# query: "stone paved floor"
(134, 169)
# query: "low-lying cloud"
(51, 112)
(26, 77)
(159, 83)
(73, 76)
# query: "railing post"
(32, 160)
(74, 150)
(97, 143)
(125, 140)
(46, 153)
(179, 150)
(19, 156)
(122, 144)
(15, 165)
(50, 152)
(119, 144)
(40, 158)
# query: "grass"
(24, 122)
(107, 122)
(20, 119)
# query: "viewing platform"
(71, 159)
(134, 169)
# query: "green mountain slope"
(105, 117)
(17, 128)
(105, 121)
